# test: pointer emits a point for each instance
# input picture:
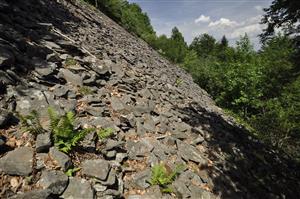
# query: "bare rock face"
(69, 56)
(17, 162)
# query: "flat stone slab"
(78, 188)
(17, 162)
(96, 168)
(55, 181)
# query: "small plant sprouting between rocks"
(31, 123)
(164, 176)
(105, 133)
(85, 90)
(70, 62)
(63, 130)
(178, 82)
(71, 172)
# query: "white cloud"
(223, 22)
(252, 30)
(202, 18)
(258, 8)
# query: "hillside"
(71, 57)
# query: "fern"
(31, 123)
(105, 133)
(63, 130)
(163, 176)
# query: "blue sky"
(215, 17)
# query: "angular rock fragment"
(61, 158)
(17, 162)
(96, 168)
(78, 188)
(54, 181)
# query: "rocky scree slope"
(68, 55)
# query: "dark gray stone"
(71, 77)
(78, 188)
(141, 179)
(55, 181)
(43, 142)
(96, 168)
(88, 143)
(149, 124)
(117, 104)
(61, 158)
(7, 58)
(35, 194)
(17, 162)
(139, 149)
(4, 117)
(188, 152)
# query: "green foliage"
(71, 172)
(105, 133)
(31, 123)
(85, 90)
(63, 130)
(163, 176)
(70, 62)
(204, 45)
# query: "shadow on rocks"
(243, 166)
(28, 39)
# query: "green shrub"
(71, 172)
(85, 90)
(163, 176)
(105, 133)
(63, 131)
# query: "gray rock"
(197, 141)
(71, 77)
(96, 168)
(35, 194)
(111, 154)
(111, 179)
(117, 104)
(149, 124)
(153, 192)
(17, 162)
(78, 188)
(188, 152)
(44, 71)
(4, 116)
(99, 188)
(141, 179)
(43, 142)
(88, 143)
(121, 156)
(100, 69)
(181, 187)
(7, 58)
(113, 144)
(61, 158)
(2, 140)
(60, 90)
(40, 160)
(55, 181)
(139, 149)
(197, 192)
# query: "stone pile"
(69, 56)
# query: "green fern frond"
(31, 123)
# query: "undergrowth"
(164, 176)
